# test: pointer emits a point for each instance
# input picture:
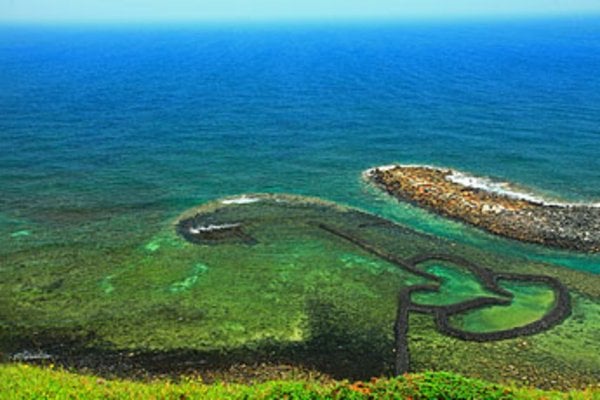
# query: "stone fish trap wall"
(214, 232)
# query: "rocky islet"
(559, 225)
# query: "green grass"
(22, 381)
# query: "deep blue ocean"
(110, 131)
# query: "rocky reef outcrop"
(564, 226)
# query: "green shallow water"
(286, 290)
(529, 304)
(458, 285)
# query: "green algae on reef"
(272, 286)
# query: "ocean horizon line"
(308, 21)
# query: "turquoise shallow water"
(128, 126)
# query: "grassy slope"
(19, 381)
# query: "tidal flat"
(278, 280)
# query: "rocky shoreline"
(564, 226)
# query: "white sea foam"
(505, 189)
(240, 200)
(386, 167)
(369, 172)
(389, 167)
(211, 227)
(489, 185)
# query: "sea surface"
(109, 132)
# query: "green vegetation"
(22, 381)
